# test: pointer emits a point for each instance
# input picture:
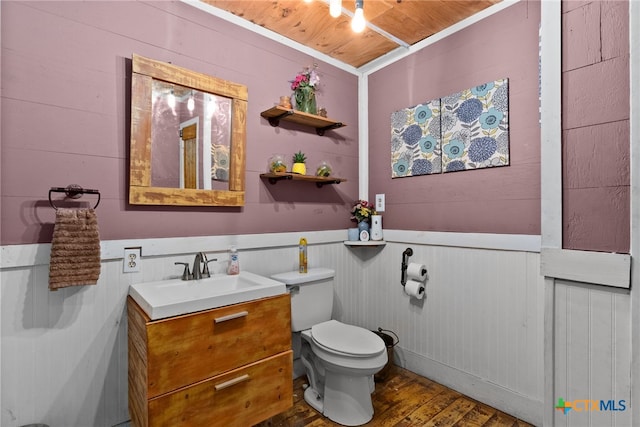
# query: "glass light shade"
(212, 106)
(171, 100)
(358, 23)
(335, 8)
(191, 104)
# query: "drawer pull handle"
(231, 316)
(232, 382)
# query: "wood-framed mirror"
(188, 137)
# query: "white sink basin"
(173, 297)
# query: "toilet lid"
(347, 339)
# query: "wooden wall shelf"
(319, 123)
(319, 180)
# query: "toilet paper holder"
(405, 264)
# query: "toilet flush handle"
(293, 289)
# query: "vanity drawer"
(186, 349)
(242, 397)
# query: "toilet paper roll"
(414, 289)
(417, 272)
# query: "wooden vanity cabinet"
(229, 366)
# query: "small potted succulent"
(299, 166)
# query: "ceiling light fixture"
(358, 23)
(335, 8)
(191, 103)
(171, 100)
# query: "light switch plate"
(132, 261)
(380, 202)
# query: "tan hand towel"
(75, 249)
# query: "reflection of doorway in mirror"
(189, 153)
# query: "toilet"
(338, 359)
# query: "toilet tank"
(311, 296)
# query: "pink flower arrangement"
(306, 78)
(362, 211)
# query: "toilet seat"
(348, 340)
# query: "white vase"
(376, 227)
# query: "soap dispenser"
(234, 262)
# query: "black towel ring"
(73, 191)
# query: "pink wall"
(496, 200)
(65, 118)
(595, 80)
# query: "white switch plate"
(380, 202)
(131, 262)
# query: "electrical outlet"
(132, 260)
(380, 202)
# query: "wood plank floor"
(404, 399)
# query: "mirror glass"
(190, 138)
(188, 134)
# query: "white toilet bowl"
(340, 361)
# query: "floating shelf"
(367, 243)
(319, 180)
(319, 123)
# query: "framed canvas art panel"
(475, 127)
(415, 140)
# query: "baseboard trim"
(508, 401)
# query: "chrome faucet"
(200, 267)
(205, 267)
(186, 274)
(197, 271)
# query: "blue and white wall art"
(462, 131)
(415, 140)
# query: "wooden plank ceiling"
(309, 23)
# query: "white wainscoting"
(479, 329)
(64, 353)
(592, 352)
